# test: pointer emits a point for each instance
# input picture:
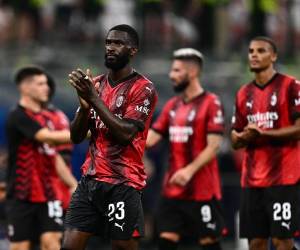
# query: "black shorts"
(105, 209)
(28, 220)
(196, 219)
(270, 212)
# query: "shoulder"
(246, 86)
(289, 80)
(140, 78)
(172, 102)
(208, 101)
(212, 96)
(17, 116)
(57, 112)
(286, 77)
(16, 112)
(142, 87)
(54, 112)
(143, 81)
(244, 89)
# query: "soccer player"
(31, 197)
(267, 124)
(193, 122)
(116, 107)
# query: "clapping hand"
(84, 85)
(249, 134)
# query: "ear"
(23, 87)
(274, 57)
(133, 51)
(193, 70)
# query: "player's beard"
(181, 86)
(120, 62)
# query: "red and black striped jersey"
(187, 125)
(31, 166)
(272, 106)
(133, 99)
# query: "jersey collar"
(116, 83)
(267, 83)
(194, 98)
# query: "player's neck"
(194, 89)
(29, 103)
(120, 74)
(263, 77)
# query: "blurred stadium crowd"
(162, 23)
(61, 35)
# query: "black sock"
(214, 246)
(294, 248)
(164, 244)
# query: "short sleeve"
(25, 125)
(215, 121)
(63, 120)
(238, 121)
(161, 125)
(141, 105)
(294, 98)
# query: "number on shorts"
(117, 210)
(54, 209)
(282, 211)
(206, 213)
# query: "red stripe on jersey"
(190, 190)
(250, 158)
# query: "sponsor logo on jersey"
(96, 118)
(98, 122)
(263, 120)
(142, 109)
(180, 133)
